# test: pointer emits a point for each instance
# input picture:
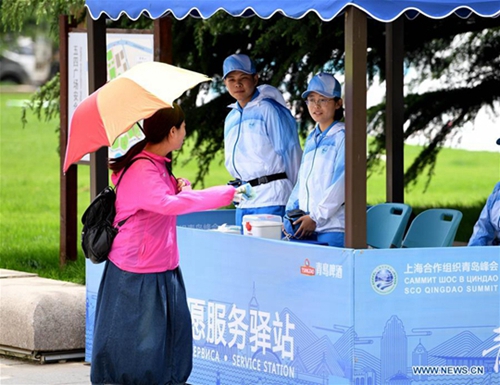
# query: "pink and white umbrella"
(115, 107)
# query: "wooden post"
(355, 118)
(163, 40)
(96, 38)
(67, 182)
(394, 111)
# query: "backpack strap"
(122, 222)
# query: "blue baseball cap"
(324, 84)
(238, 62)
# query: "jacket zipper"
(236, 143)
(310, 172)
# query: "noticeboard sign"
(123, 51)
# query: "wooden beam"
(67, 182)
(394, 111)
(96, 40)
(355, 118)
(163, 45)
(162, 37)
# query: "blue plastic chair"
(386, 224)
(433, 228)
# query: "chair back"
(385, 224)
(433, 228)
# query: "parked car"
(26, 62)
(12, 72)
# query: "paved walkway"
(21, 372)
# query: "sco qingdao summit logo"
(384, 279)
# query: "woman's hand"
(183, 184)
(306, 228)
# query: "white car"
(28, 62)
(12, 72)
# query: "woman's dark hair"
(339, 112)
(156, 128)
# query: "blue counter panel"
(267, 311)
(207, 220)
(427, 316)
(276, 312)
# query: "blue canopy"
(382, 10)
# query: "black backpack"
(98, 232)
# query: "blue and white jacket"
(262, 139)
(320, 189)
(487, 228)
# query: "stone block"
(39, 314)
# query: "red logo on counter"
(248, 226)
(307, 269)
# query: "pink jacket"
(147, 196)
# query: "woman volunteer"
(319, 191)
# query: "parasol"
(115, 107)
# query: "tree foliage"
(21, 16)
(463, 53)
(16, 13)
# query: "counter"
(276, 312)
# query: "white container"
(262, 225)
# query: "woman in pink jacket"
(142, 331)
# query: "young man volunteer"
(261, 141)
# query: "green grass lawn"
(29, 190)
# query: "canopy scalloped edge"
(387, 13)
